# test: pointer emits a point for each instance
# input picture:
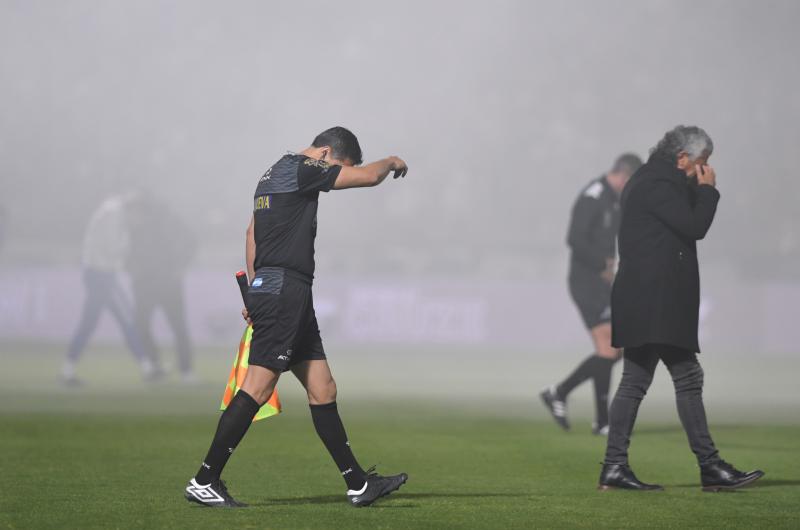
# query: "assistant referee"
(280, 261)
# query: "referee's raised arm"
(370, 175)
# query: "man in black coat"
(667, 206)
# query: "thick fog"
(503, 110)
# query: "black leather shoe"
(721, 476)
(618, 476)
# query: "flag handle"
(244, 284)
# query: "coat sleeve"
(584, 214)
(670, 206)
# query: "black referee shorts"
(592, 295)
(285, 330)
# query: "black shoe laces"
(223, 488)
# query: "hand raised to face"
(706, 175)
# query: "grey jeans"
(687, 376)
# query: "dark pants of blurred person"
(687, 376)
(103, 291)
(150, 293)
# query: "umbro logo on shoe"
(204, 494)
(214, 495)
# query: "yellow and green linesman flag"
(235, 380)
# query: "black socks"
(233, 424)
(584, 371)
(331, 431)
(599, 369)
(238, 417)
(602, 383)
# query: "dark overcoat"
(656, 294)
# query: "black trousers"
(164, 291)
(637, 374)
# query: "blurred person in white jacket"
(105, 247)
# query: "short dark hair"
(342, 142)
(627, 163)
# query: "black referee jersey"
(593, 229)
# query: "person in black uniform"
(280, 262)
(161, 247)
(667, 207)
(592, 240)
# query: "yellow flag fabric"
(235, 380)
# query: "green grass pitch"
(92, 458)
